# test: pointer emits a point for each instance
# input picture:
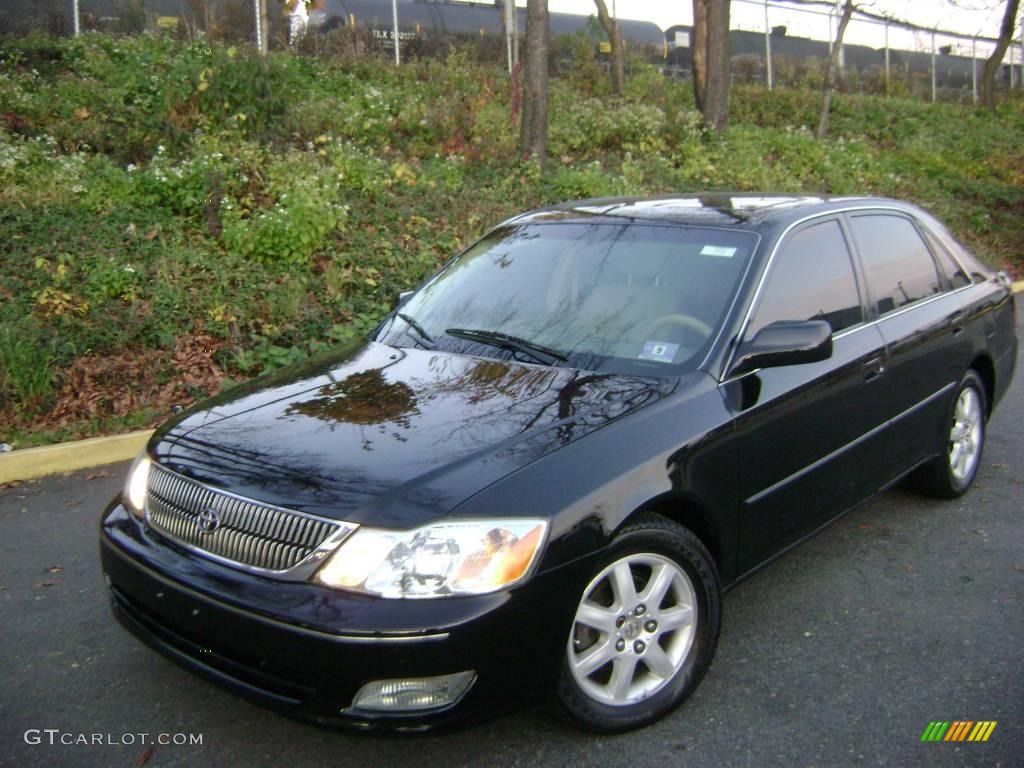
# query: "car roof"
(739, 210)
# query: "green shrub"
(591, 125)
(590, 180)
(27, 365)
(291, 219)
(154, 191)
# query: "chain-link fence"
(880, 53)
(787, 43)
(227, 20)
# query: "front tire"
(952, 472)
(645, 630)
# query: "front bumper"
(306, 650)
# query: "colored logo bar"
(958, 730)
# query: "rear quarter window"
(957, 277)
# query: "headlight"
(468, 557)
(135, 487)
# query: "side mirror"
(403, 297)
(785, 342)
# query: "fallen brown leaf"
(48, 583)
(97, 475)
(55, 569)
(145, 756)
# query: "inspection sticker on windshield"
(661, 351)
(722, 251)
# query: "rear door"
(922, 323)
(811, 437)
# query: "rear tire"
(952, 472)
(645, 629)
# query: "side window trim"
(859, 283)
(867, 308)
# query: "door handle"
(957, 322)
(873, 369)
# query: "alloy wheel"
(633, 629)
(965, 435)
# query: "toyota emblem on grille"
(208, 521)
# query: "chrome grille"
(246, 532)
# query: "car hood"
(391, 436)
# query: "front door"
(811, 437)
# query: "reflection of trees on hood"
(532, 395)
(493, 378)
(366, 398)
(475, 402)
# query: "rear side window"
(900, 270)
(811, 279)
(957, 277)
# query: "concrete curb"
(65, 457)
(94, 452)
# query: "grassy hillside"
(175, 217)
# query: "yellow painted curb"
(65, 457)
(1018, 287)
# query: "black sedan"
(534, 478)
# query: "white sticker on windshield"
(661, 351)
(721, 251)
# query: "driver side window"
(812, 278)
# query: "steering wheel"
(687, 321)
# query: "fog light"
(415, 694)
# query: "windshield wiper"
(415, 326)
(512, 343)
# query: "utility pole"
(767, 48)
(974, 69)
(1021, 80)
(831, 32)
(394, 30)
(515, 36)
(1013, 72)
(256, 14)
(75, 17)
(887, 91)
(510, 12)
(934, 88)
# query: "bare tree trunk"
(830, 71)
(993, 62)
(719, 63)
(611, 28)
(699, 52)
(533, 140)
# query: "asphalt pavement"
(903, 612)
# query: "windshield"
(623, 298)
